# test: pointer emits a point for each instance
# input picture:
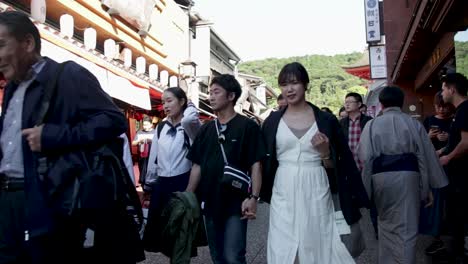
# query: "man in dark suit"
(80, 115)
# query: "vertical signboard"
(372, 20)
(378, 62)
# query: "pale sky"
(462, 36)
(258, 29)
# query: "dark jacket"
(345, 178)
(81, 114)
(181, 229)
(345, 124)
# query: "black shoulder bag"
(233, 178)
(88, 177)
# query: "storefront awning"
(124, 90)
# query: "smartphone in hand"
(435, 128)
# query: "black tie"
(172, 129)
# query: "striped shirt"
(353, 139)
(12, 164)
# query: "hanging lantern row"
(164, 77)
(153, 71)
(38, 10)
(173, 81)
(111, 48)
(67, 25)
(127, 54)
(90, 36)
(111, 52)
(141, 65)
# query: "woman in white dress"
(301, 140)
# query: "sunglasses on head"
(221, 138)
(222, 128)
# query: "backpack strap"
(186, 140)
(159, 128)
(49, 91)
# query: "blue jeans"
(227, 239)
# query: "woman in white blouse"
(168, 168)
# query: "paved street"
(257, 237)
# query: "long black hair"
(179, 94)
(293, 72)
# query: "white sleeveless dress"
(302, 217)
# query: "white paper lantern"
(109, 48)
(153, 71)
(90, 36)
(164, 78)
(38, 10)
(67, 24)
(173, 81)
(127, 54)
(141, 65)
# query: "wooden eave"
(92, 14)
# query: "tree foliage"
(329, 83)
(461, 55)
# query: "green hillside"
(329, 83)
(461, 54)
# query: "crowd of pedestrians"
(68, 196)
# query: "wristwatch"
(257, 198)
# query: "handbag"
(144, 149)
(233, 178)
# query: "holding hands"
(249, 209)
(442, 136)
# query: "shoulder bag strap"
(220, 144)
(49, 91)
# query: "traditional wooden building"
(419, 36)
(134, 48)
(256, 96)
(360, 68)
